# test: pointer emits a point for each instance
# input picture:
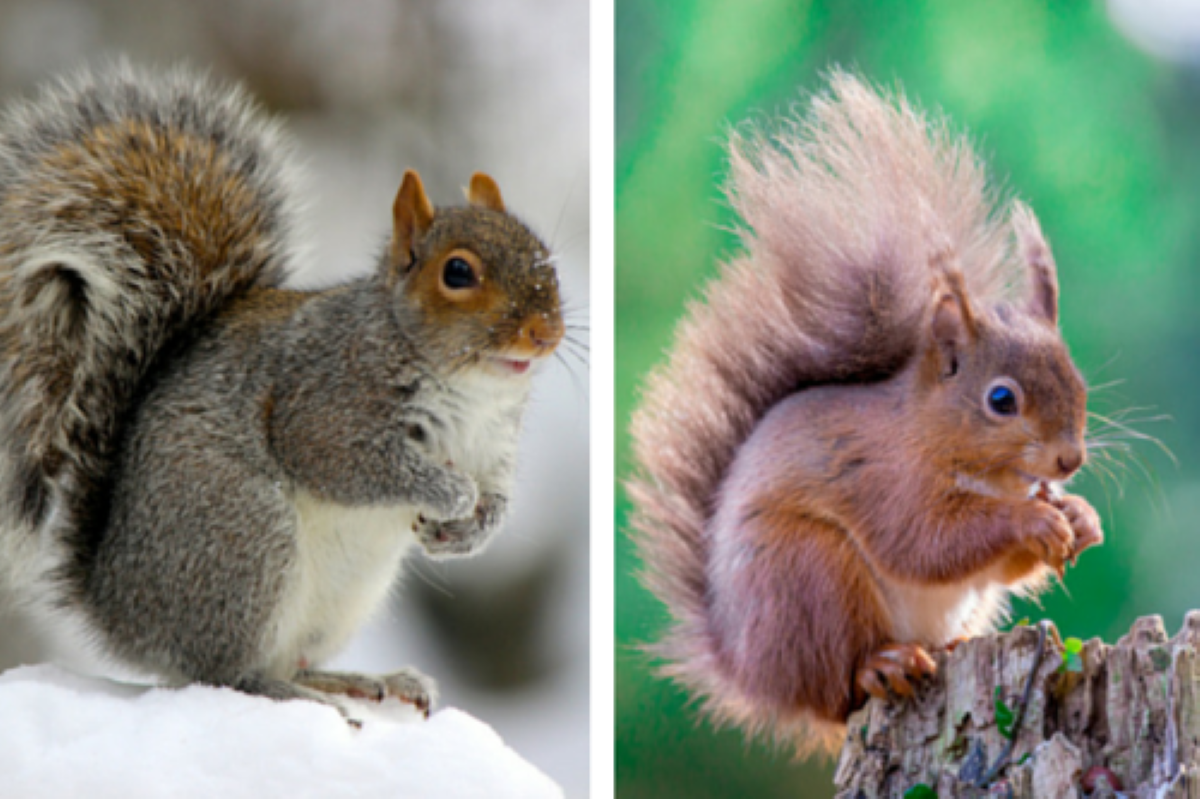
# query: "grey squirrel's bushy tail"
(842, 213)
(131, 206)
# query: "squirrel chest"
(935, 615)
(347, 557)
(816, 466)
(479, 419)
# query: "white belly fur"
(936, 615)
(347, 560)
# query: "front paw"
(1084, 521)
(1047, 534)
(461, 537)
(454, 497)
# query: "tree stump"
(1120, 720)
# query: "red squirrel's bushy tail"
(132, 206)
(842, 212)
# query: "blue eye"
(458, 274)
(1002, 400)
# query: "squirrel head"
(1003, 399)
(482, 283)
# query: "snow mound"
(64, 735)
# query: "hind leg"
(407, 685)
(285, 690)
(893, 668)
(794, 609)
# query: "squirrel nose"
(1069, 461)
(542, 332)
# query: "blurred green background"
(1099, 134)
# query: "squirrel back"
(844, 214)
(131, 206)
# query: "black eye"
(458, 274)
(1002, 400)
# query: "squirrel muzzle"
(537, 337)
(540, 334)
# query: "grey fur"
(193, 458)
(56, 222)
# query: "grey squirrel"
(217, 477)
(855, 452)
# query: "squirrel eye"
(1002, 400)
(458, 274)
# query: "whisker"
(1132, 409)
(575, 381)
(562, 355)
(442, 588)
(1107, 423)
(1108, 363)
(562, 210)
(1103, 444)
(1104, 474)
(1129, 432)
(1105, 386)
(568, 246)
(578, 345)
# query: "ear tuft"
(953, 326)
(484, 193)
(1043, 274)
(412, 214)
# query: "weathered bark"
(1133, 708)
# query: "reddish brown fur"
(484, 192)
(263, 306)
(795, 539)
(412, 214)
(442, 303)
(133, 160)
(489, 305)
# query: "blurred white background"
(1169, 29)
(448, 87)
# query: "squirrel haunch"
(215, 476)
(852, 454)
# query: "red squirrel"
(855, 451)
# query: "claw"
(869, 682)
(926, 665)
(954, 643)
(414, 688)
(898, 683)
(898, 666)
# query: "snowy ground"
(64, 735)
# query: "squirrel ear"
(485, 193)
(953, 324)
(1043, 275)
(412, 214)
